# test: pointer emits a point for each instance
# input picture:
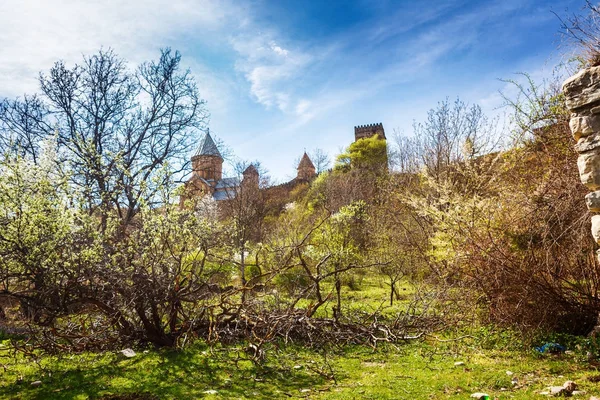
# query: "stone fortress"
(207, 168)
(367, 131)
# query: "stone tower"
(366, 131)
(250, 176)
(207, 163)
(306, 169)
(369, 131)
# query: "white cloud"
(36, 33)
(328, 81)
(271, 69)
(278, 50)
(303, 107)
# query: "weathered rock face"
(582, 97)
(582, 126)
(582, 89)
(596, 228)
(592, 200)
(589, 169)
(588, 143)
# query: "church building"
(207, 169)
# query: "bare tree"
(22, 124)
(536, 104)
(454, 135)
(245, 208)
(406, 153)
(584, 32)
(320, 159)
(114, 128)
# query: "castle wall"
(366, 131)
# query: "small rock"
(570, 386)
(458, 363)
(298, 367)
(36, 383)
(481, 396)
(210, 391)
(128, 353)
(557, 390)
(304, 390)
(509, 373)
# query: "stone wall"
(366, 131)
(582, 97)
(207, 167)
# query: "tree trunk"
(243, 272)
(337, 311)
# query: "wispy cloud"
(393, 62)
(36, 33)
(270, 69)
(375, 55)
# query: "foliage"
(97, 252)
(535, 105)
(79, 283)
(509, 228)
(114, 129)
(366, 154)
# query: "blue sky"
(284, 76)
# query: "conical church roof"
(305, 162)
(207, 147)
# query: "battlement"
(369, 130)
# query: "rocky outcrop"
(582, 97)
(582, 90)
(589, 169)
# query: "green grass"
(414, 374)
(373, 294)
(422, 369)
(166, 374)
(418, 370)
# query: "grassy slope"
(415, 370)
